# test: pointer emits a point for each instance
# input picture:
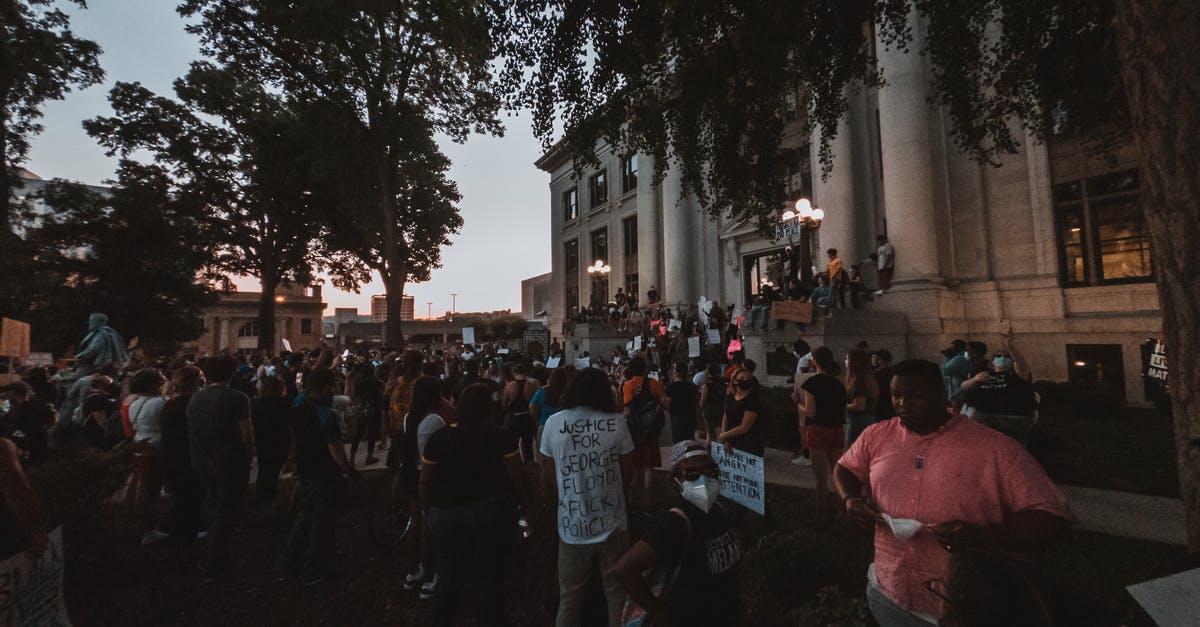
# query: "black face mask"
(745, 385)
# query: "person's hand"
(863, 510)
(37, 544)
(957, 534)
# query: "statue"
(101, 346)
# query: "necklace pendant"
(920, 463)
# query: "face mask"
(702, 492)
(5, 406)
(1002, 363)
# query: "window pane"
(1071, 238)
(1122, 240)
(1116, 182)
(1066, 192)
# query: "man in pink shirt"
(966, 484)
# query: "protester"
(696, 542)
(517, 417)
(272, 438)
(956, 368)
(684, 401)
(712, 400)
(588, 455)
(102, 422)
(1003, 397)
(640, 394)
(988, 489)
(187, 492)
(145, 418)
(220, 437)
(364, 391)
(836, 272)
(862, 392)
(321, 465)
(881, 361)
(549, 400)
(824, 407)
(399, 394)
(32, 416)
(471, 480)
(421, 422)
(804, 371)
(21, 524)
(885, 264)
(740, 427)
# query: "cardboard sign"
(637, 342)
(714, 336)
(742, 479)
(693, 346)
(14, 338)
(468, 335)
(553, 362)
(31, 591)
(793, 310)
(583, 362)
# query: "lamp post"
(453, 301)
(800, 218)
(598, 271)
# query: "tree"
(388, 67)
(714, 84)
(40, 60)
(238, 151)
(131, 254)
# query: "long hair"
(560, 381)
(861, 374)
(590, 389)
(426, 393)
(185, 381)
(147, 382)
(823, 356)
(474, 407)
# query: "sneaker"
(878, 292)
(801, 460)
(412, 581)
(152, 536)
(429, 588)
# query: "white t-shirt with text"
(586, 446)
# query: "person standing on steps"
(885, 263)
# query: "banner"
(31, 590)
(469, 336)
(793, 310)
(742, 479)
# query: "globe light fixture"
(599, 267)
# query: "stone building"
(1050, 244)
(233, 321)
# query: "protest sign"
(714, 336)
(31, 590)
(553, 362)
(1170, 600)
(637, 342)
(39, 359)
(693, 347)
(674, 324)
(469, 335)
(582, 362)
(287, 346)
(793, 310)
(742, 479)
(1156, 368)
(14, 338)
(629, 346)
(502, 351)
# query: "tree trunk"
(1160, 65)
(266, 314)
(394, 326)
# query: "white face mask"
(5, 406)
(702, 492)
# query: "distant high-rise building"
(379, 308)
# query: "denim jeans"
(482, 533)
(575, 566)
(317, 501)
(856, 423)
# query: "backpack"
(646, 416)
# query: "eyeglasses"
(692, 474)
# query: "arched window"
(250, 329)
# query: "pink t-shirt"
(963, 471)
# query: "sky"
(505, 199)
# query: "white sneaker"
(801, 460)
(878, 292)
(412, 581)
(429, 588)
(152, 536)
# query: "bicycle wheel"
(388, 517)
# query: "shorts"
(825, 439)
(646, 454)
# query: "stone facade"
(1049, 244)
(232, 322)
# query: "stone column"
(680, 238)
(225, 333)
(836, 194)
(649, 235)
(908, 177)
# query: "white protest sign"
(1170, 600)
(629, 347)
(553, 362)
(39, 359)
(287, 346)
(653, 374)
(469, 335)
(693, 346)
(31, 590)
(714, 336)
(742, 478)
(674, 325)
(637, 342)
(583, 362)
(503, 351)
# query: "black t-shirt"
(1004, 393)
(735, 411)
(706, 590)
(883, 407)
(684, 396)
(830, 397)
(469, 465)
(214, 434)
(270, 418)
(175, 448)
(315, 428)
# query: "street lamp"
(798, 219)
(599, 271)
(453, 301)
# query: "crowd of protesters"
(459, 428)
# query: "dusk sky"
(505, 205)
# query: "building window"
(629, 172)
(250, 329)
(798, 173)
(570, 203)
(571, 274)
(762, 270)
(599, 253)
(306, 326)
(629, 229)
(1099, 365)
(1101, 233)
(598, 189)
